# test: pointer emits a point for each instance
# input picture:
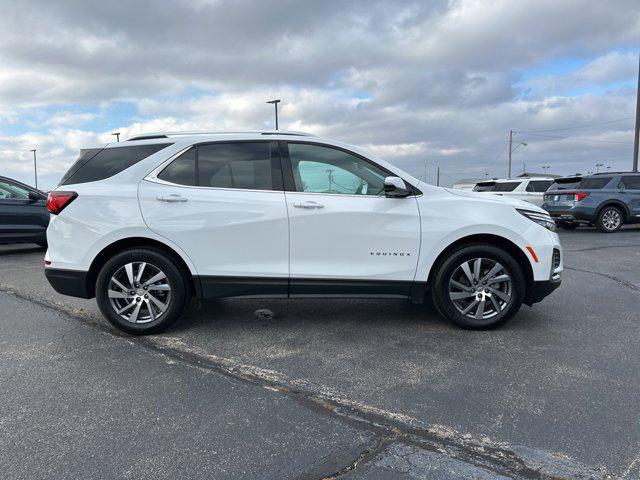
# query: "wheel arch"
(497, 241)
(614, 203)
(134, 242)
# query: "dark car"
(23, 213)
(606, 200)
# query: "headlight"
(540, 218)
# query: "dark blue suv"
(606, 200)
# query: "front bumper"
(69, 282)
(541, 289)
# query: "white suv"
(529, 189)
(144, 224)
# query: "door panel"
(21, 220)
(225, 232)
(353, 237)
(345, 235)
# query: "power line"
(578, 126)
(577, 138)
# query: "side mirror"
(33, 197)
(394, 187)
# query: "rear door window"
(242, 165)
(538, 185)
(630, 182)
(594, 183)
(98, 164)
(506, 186)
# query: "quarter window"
(594, 183)
(182, 170)
(243, 165)
(320, 169)
(97, 164)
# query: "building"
(467, 183)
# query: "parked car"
(23, 213)
(144, 224)
(528, 189)
(606, 200)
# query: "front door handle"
(309, 205)
(173, 198)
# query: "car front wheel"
(478, 287)
(609, 220)
(141, 291)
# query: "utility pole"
(510, 143)
(35, 166)
(438, 179)
(275, 104)
(635, 143)
(117, 134)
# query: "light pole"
(634, 167)
(275, 104)
(598, 165)
(117, 134)
(545, 168)
(35, 166)
(511, 149)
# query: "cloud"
(440, 82)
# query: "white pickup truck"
(529, 189)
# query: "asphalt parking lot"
(328, 388)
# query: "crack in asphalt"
(387, 427)
(622, 282)
(601, 247)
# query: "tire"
(610, 219)
(508, 301)
(568, 225)
(171, 291)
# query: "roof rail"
(154, 135)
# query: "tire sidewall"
(452, 262)
(175, 278)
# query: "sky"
(420, 83)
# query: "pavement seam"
(624, 283)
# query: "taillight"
(580, 196)
(57, 201)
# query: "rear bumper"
(572, 214)
(69, 282)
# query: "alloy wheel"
(480, 288)
(139, 292)
(611, 219)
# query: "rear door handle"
(309, 205)
(173, 198)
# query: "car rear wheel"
(478, 287)
(610, 220)
(141, 291)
